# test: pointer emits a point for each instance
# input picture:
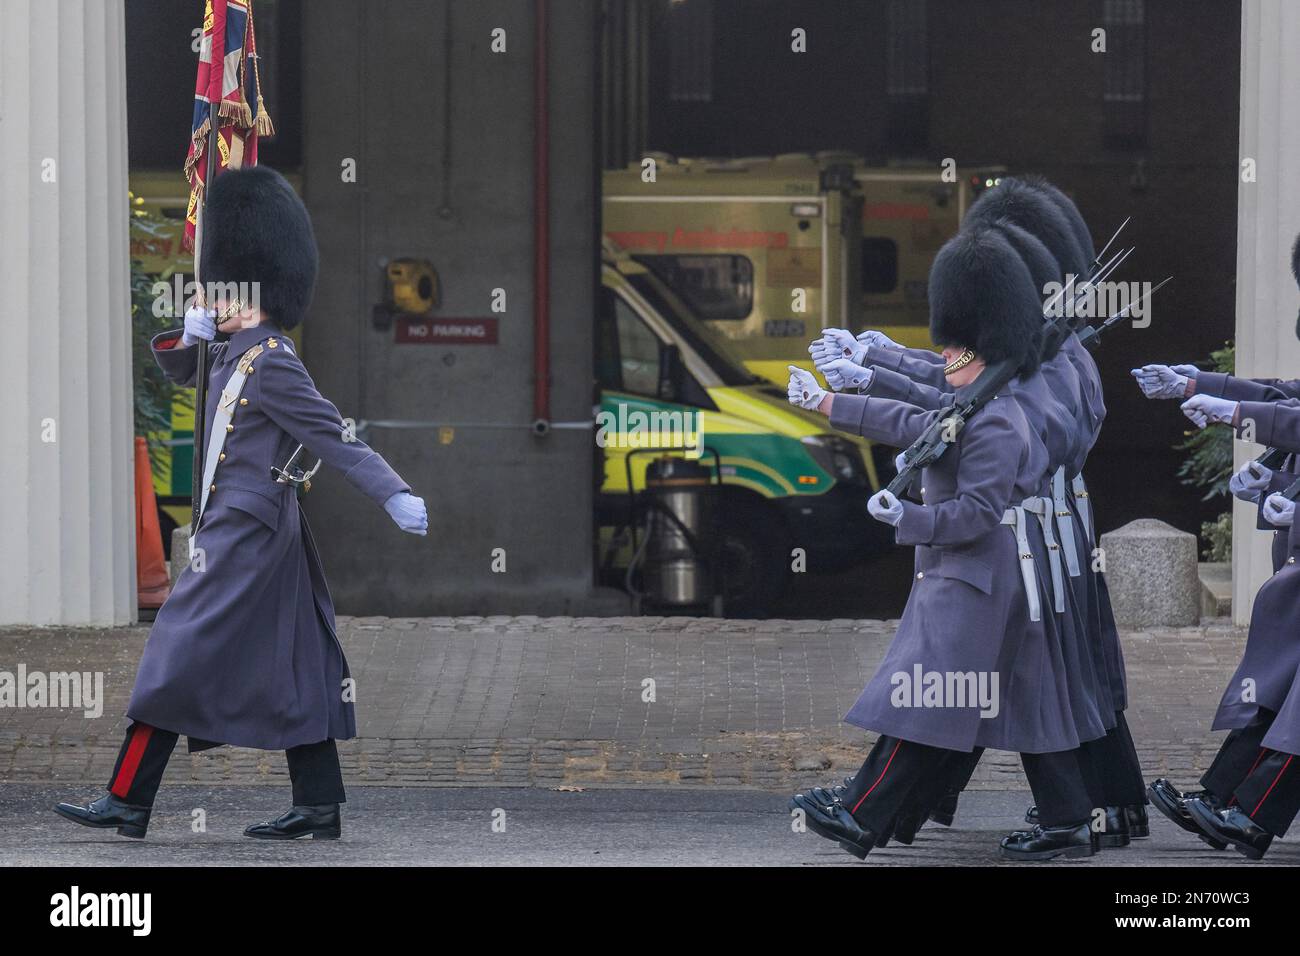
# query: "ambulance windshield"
(710, 347)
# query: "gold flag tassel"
(263, 121)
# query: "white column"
(67, 525)
(1268, 221)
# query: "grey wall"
(374, 91)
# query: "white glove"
(408, 512)
(1207, 410)
(200, 325)
(824, 352)
(841, 374)
(873, 339)
(803, 389)
(1278, 510)
(885, 507)
(1247, 483)
(848, 346)
(899, 461)
(1189, 370)
(1160, 381)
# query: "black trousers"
(1059, 788)
(1238, 755)
(1064, 793)
(1270, 794)
(902, 775)
(888, 779)
(313, 768)
(1111, 769)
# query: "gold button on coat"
(243, 401)
(920, 575)
(230, 428)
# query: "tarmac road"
(452, 826)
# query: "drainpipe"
(541, 231)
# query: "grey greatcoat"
(244, 651)
(1070, 429)
(967, 613)
(1266, 675)
(1053, 426)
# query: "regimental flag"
(228, 77)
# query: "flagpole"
(201, 380)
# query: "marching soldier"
(974, 607)
(244, 652)
(1053, 250)
(1251, 792)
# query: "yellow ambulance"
(770, 250)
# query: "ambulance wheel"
(753, 555)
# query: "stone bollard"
(1151, 572)
(180, 556)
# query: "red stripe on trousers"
(131, 762)
(1271, 786)
(878, 779)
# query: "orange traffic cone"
(152, 583)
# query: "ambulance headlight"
(837, 456)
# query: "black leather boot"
(320, 823)
(1116, 832)
(1167, 798)
(1047, 843)
(108, 812)
(1031, 816)
(1232, 826)
(834, 822)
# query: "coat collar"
(961, 394)
(243, 340)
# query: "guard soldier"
(244, 652)
(1251, 791)
(974, 608)
(1052, 243)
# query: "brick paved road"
(558, 702)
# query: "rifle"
(1091, 336)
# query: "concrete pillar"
(66, 508)
(1268, 220)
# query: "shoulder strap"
(219, 426)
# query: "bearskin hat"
(1295, 271)
(1033, 211)
(1043, 269)
(982, 297)
(1067, 208)
(257, 230)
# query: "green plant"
(1217, 535)
(1209, 466)
(153, 394)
